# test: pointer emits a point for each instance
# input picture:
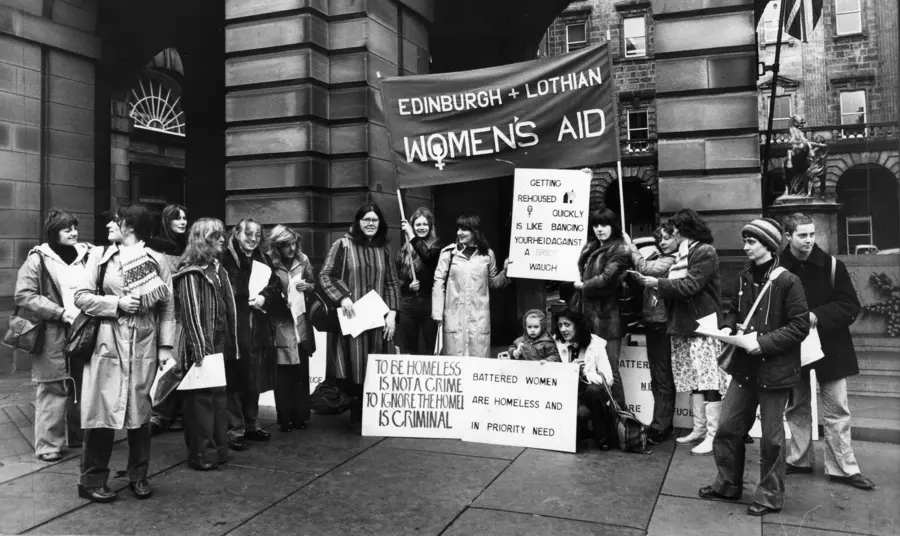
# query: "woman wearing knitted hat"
(692, 290)
(771, 303)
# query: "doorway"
(156, 186)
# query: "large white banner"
(413, 396)
(521, 403)
(549, 223)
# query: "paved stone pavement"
(326, 480)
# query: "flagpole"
(621, 195)
(412, 268)
(775, 69)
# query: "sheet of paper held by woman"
(368, 313)
(709, 326)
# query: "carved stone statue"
(805, 164)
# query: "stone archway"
(839, 164)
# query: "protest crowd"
(183, 327)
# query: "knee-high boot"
(699, 410)
(713, 409)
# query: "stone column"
(305, 140)
(48, 53)
(707, 115)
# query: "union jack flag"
(801, 17)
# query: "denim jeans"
(662, 383)
(415, 317)
(835, 412)
(729, 450)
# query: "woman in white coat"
(136, 309)
(45, 288)
(460, 299)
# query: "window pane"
(781, 124)
(576, 33)
(637, 119)
(635, 46)
(853, 107)
(843, 6)
(849, 23)
(859, 228)
(782, 107)
(634, 27)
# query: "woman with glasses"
(461, 301)
(205, 302)
(357, 263)
(135, 336)
(254, 371)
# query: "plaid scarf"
(140, 276)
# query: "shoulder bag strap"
(833, 270)
(102, 275)
(743, 326)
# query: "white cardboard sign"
(549, 223)
(521, 403)
(413, 396)
(635, 371)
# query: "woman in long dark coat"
(418, 256)
(357, 263)
(294, 338)
(254, 372)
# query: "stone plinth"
(823, 211)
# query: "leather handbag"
(83, 335)
(320, 308)
(630, 432)
(26, 333)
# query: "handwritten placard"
(521, 403)
(549, 223)
(413, 396)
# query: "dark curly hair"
(356, 232)
(691, 226)
(582, 327)
(136, 216)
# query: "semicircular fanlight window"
(154, 107)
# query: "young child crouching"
(536, 344)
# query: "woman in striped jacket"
(357, 263)
(205, 302)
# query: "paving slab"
(184, 502)
(497, 523)
(34, 499)
(770, 529)
(611, 487)
(689, 473)
(324, 444)
(680, 515)
(381, 491)
(14, 467)
(454, 446)
(813, 501)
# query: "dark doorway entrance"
(640, 205)
(869, 213)
(156, 186)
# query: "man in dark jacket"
(833, 305)
(763, 374)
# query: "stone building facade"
(844, 82)
(282, 108)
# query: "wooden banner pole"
(412, 269)
(621, 196)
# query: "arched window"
(869, 215)
(155, 104)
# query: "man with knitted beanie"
(833, 305)
(770, 303)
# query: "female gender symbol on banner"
(438, 150)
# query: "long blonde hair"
(407, 255)
(281, 236)
(199, 250)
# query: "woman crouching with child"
(576, 344)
